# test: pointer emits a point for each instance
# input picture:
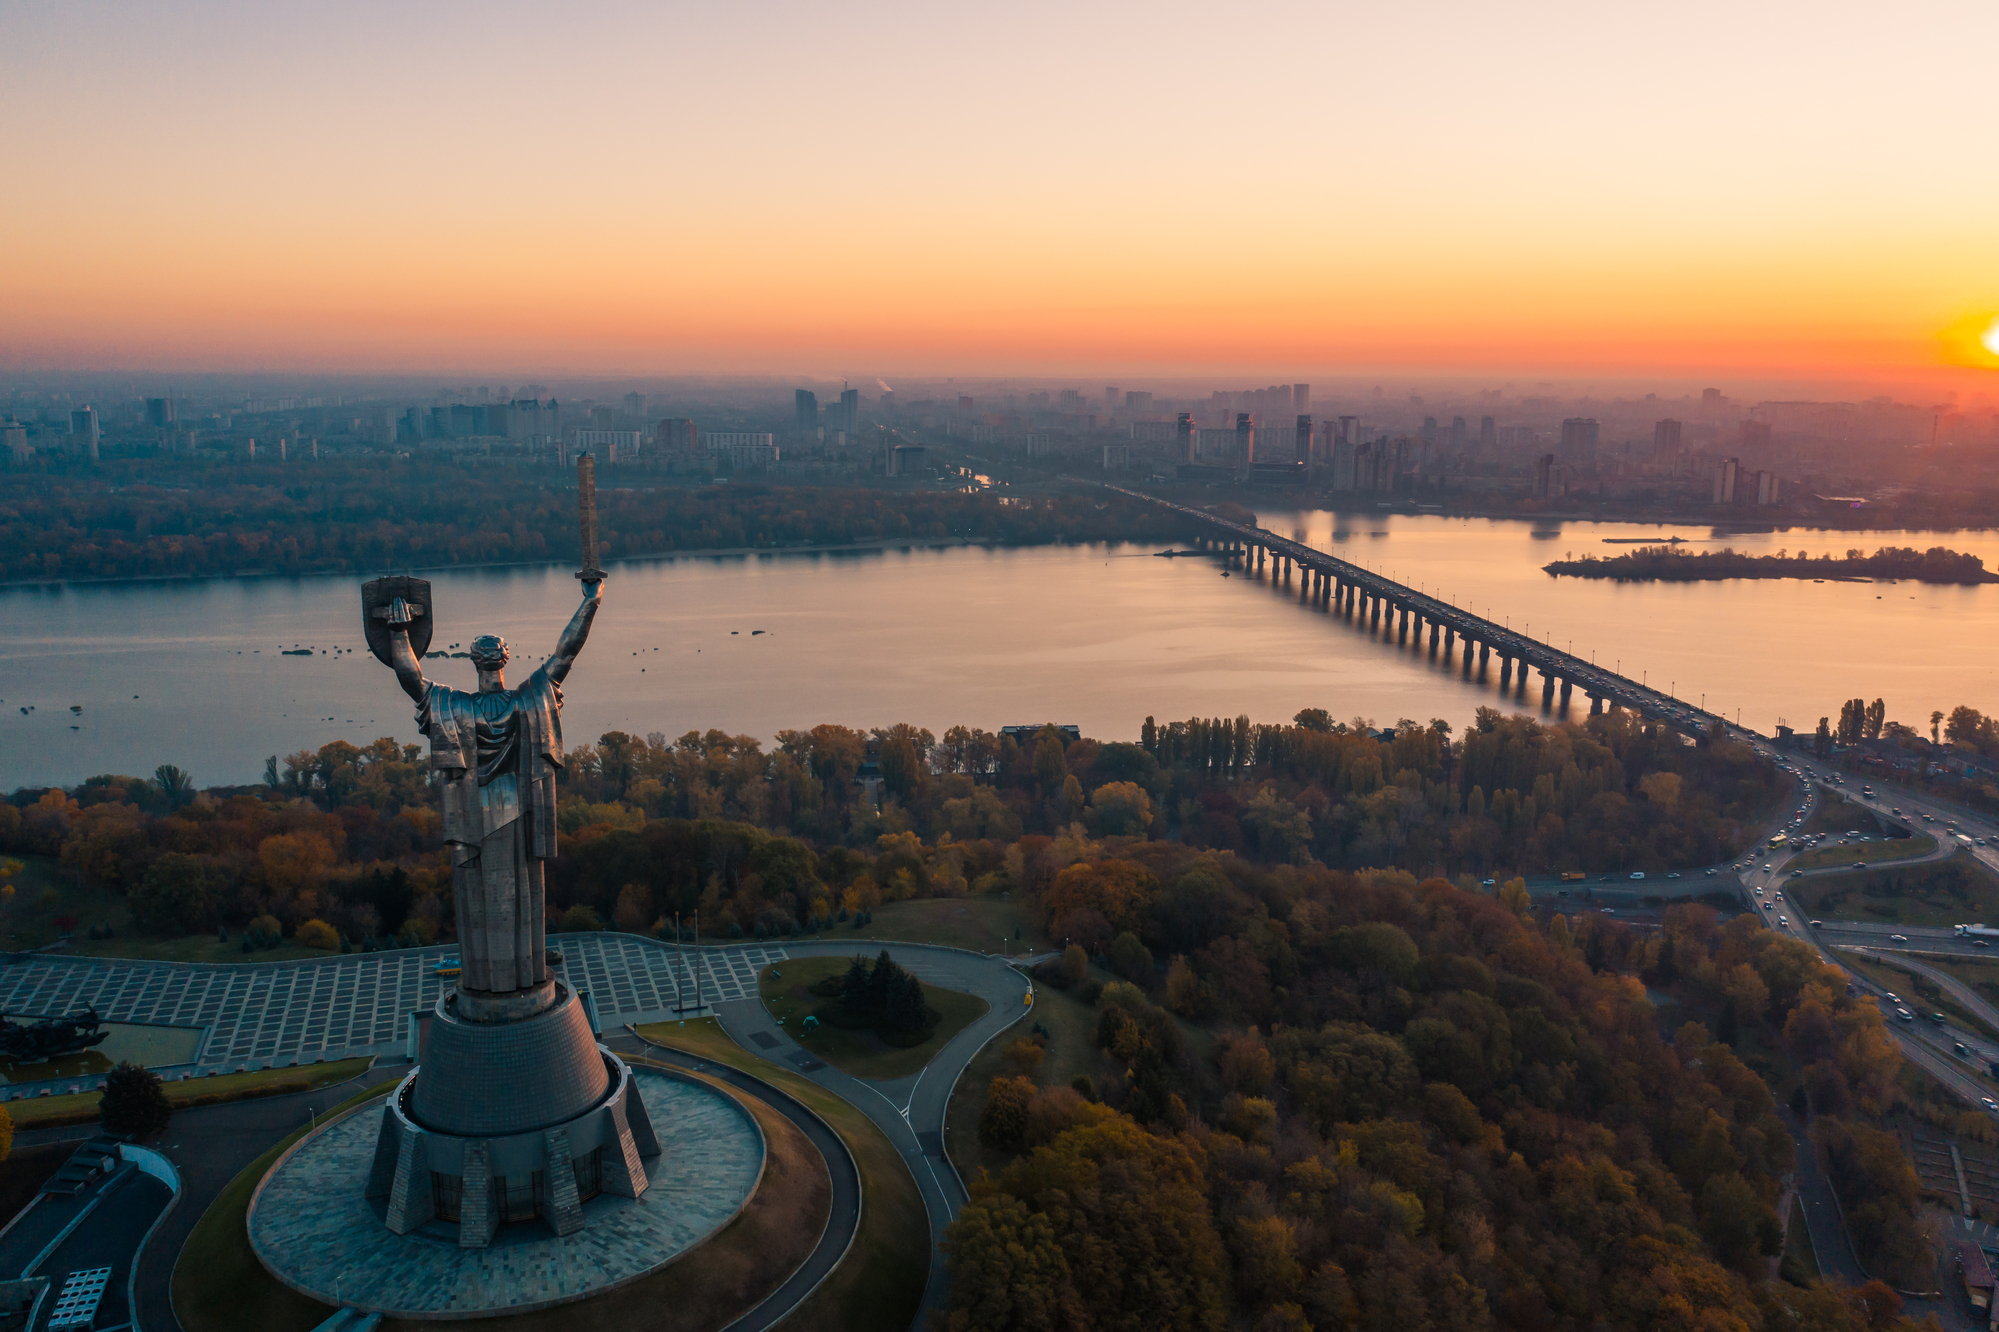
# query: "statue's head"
(489, 652)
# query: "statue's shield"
(378, 596)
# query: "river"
(191, 673)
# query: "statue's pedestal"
(508, 1121)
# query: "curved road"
(842, 1221)
(910, 1110)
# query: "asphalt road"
(909, 1110)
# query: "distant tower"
(1666, 437)
(1488, 433)
(635, 406)
(83, 424)
(1305, 439)
(805, 411)
(1301, 397)
(1457, 432)
(1245, 441)
(1183, 436)
(850, 410)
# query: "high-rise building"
(1137, 400)
(1666, 437)
(676, 435)
(1544, 467)
(1301, 397)
(1245, 441)
(1110, 397)
(805, 411)
(1579, 437)
(159, 412)
(1183, 431)
(83, 424)
(1457, 432)
(1429, 431)
(1304, 450)
(1724, 481)
(850, 410)
(1488, 433)
(1769, 488)
(14, 435)
(965, 403)
(635, 406)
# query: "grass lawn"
(1838, 815)
(218, 1282)
(1800, 1266)
(1901, 848)
(881, 1282)
(984, 924)
(43, 1111)
(860, 1053)
(1944, 892)
(1982, 976)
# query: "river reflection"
(190, 673)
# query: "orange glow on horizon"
(1552, 196)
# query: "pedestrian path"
(269, 1014)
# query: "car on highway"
(1899, 938)
(1710, 874)
(1817, 923)
(1891, 996)
(1938, 1018)
(1638, 874)
(1957, 1047)
(1860, 864)
(1989, 1104)
(1904, 1015)
(1783, 920)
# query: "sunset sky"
(1805, 189)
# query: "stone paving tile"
(314, 1223)
(357, 1003)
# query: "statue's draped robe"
(496, 755)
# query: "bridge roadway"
(1328, 581)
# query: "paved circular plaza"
(313, 1227)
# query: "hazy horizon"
(1789, 194)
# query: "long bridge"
(1366, 597)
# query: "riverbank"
(610, 563)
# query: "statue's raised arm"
(576, 632)
(409, 672)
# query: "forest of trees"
(775, 840)
(1425, 1110)
(1415, 1105)
(1671, 564)
(345, 514)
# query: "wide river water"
(190, 673)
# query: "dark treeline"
(777, 840)
(367, 513)
(1672, 565)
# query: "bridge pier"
(1484, 656)
(1436, 635)
(1567, 685)
(1450, 637)
(1467, 659)
(1596, 705)
(1547, 690)
(1505, 674)
(1374, 616)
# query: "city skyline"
(1438, 190)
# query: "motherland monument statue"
(514, 1110)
